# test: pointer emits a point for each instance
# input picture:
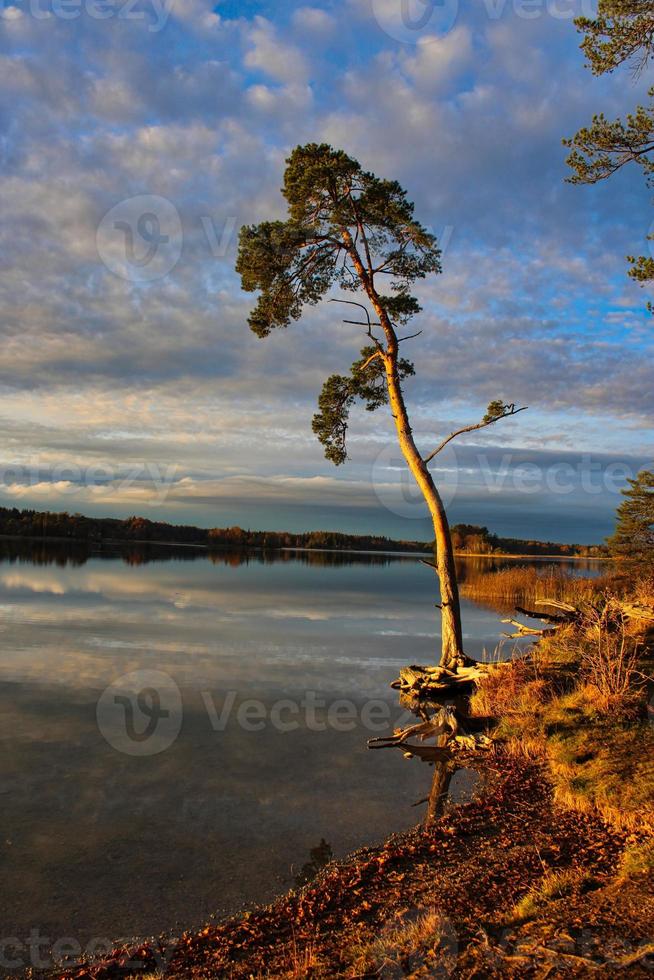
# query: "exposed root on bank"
(446, 726)
(419, 681)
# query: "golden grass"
(579, 705)
(553, 886)
(637, 859)
(525, 583)
(512, 688)
(409, 946)
(304, 963)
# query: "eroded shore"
(510, 884)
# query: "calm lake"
(177, 733)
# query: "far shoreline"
(124, 542)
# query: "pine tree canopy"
(622, 33)
(330, 200)
(634, 533)
(334, 206)
(346, 229)
(339, 394)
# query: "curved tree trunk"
(452, 655)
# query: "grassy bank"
(579, 703)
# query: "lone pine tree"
(634, 532)
(350, 230)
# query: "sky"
(138, 136)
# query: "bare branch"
(351, 302)
(512, 410)
(369, 323)
(411, 336)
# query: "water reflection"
(62, 553)
(99, 843)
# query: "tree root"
(417, 680)
(445, 725)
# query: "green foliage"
(365, 382)
(634, 533)
(344, 227)
(602, 148)
(294, 262)
(622, 32)
(291, 267)
(496, 410)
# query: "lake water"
(177, 733)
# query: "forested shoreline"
(466, 538)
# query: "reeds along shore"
(520, 583)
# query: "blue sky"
(129, 381)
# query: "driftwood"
(418, 681)
(572, 612)
(567, 614)
(522, 630)
(545, 617)
(444, 722)
(638, 611)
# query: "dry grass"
(511, 688)
(580, 705)
(553, 886)
(638, 859)
(406, 948)
(304, 963)
(610, 656)
(525, 583)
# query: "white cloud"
(314, 20)
(437, 61)
(273, 56)
(204, 115)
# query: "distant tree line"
(236, 537)
(77, 527)
(473, 540)
(466, 538)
